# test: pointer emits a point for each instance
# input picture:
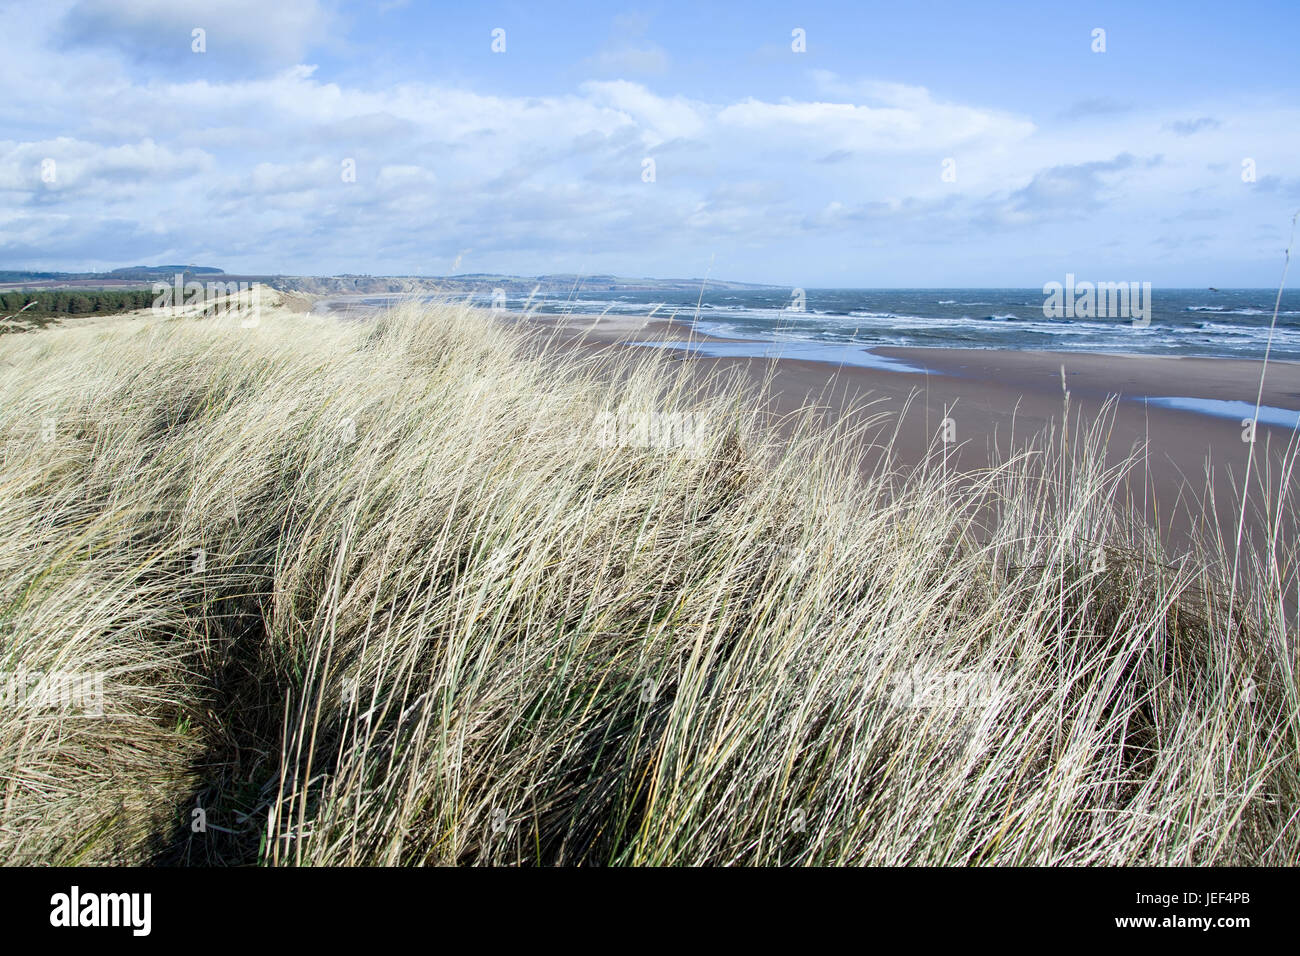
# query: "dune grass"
(396, 593)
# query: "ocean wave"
(1224, 310)
(1179, 324)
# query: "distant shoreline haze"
(371, 282)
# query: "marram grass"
(385, 593)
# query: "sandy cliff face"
(341, 285)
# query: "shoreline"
(1191, 461)
(1191, 387)
(1131, 375)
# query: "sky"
(904, 145)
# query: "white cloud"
(78, 166)
(659, 118)
(245, 169)
(905, 118)
(244, 32)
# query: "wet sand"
(995, 400)
(1188, 467)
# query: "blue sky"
(121, 145)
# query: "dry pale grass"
(380, 594)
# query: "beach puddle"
(808, 352)
(1238, 411)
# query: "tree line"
(75, 301)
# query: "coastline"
(1191, 462)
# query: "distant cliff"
(511, 285)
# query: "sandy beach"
(997, 399)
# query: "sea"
(843, 326)
(1215, 323)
